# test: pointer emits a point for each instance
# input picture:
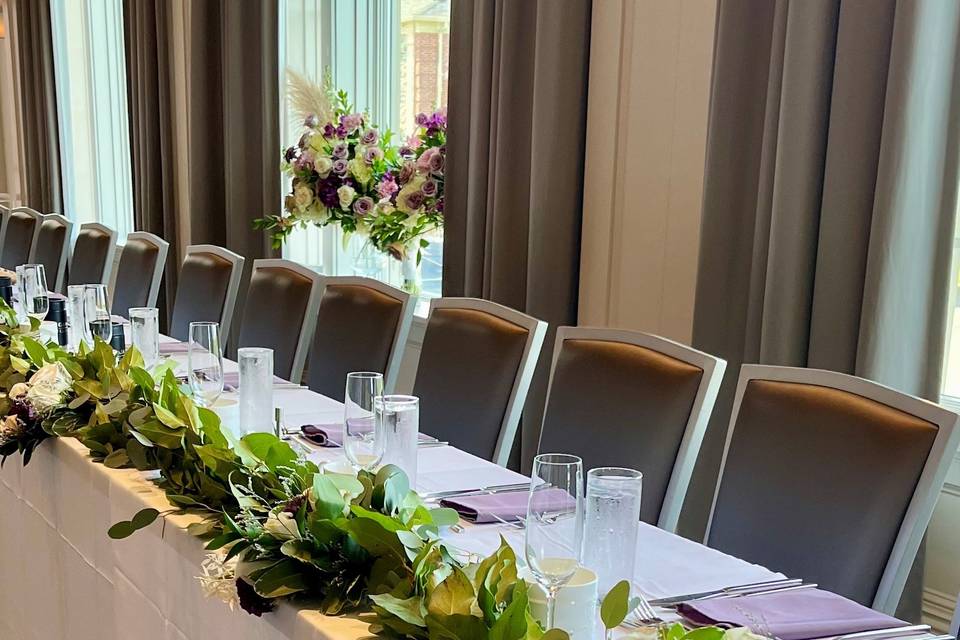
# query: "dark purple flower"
(290, 154)
(342, 131)
(363, 205)
(421, 119)
(251, 601)
(293, 505)
(340, 150)
(439, 205)
(329, 131)
(327, 192)
(340, 166)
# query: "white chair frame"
(64, 251)
(310, 312)
(4, 216)
(403, 326)
(928, 487)
(162, 248)
(111, 255)
(233, 287)
(713, 369)
(37, 221)
(536, 332)
(955, 625)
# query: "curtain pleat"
(38, 106)
(517, 113)
(830, 197)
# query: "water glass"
(554, 527)
(205, 362)
(362, 442)
(33, 291)
(398, 417)
(96, 312)
(145, 333)
(612, 524)
(256, 389)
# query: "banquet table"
(61, 577)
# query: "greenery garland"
(277, 525)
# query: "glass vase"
(410, 273)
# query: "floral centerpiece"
(345, 171)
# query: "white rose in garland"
(47, 386)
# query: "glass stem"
(551, 607)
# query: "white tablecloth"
(61, 577)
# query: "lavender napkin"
(509, 505)
(168, 348)
(331, 435)
(790, 615)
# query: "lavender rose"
(363, 206)
(340, 166)
(372, 154)
(407, 171)
(351, 122)
(429, 188)
(370, 136)
(436, 163)
(340, 150)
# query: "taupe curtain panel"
(830, 196)
(149, 86)
(231, 86)
(38, 105)
(517, 111)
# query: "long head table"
(61, 577)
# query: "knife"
(881, 634)
(741, 588)
(459, 493)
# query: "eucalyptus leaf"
(615, 605)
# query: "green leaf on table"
(616, 605)
(675, 632)
(121, 530)
(407, 609)
(144, 518)
(167, 417)
(347, 484)
(19, 365)
(143, 380)
(126, 528)
(444, 517)
(456, 627)
(512, 623)
(452, 596)
(282, 579)
(267, 449)
(329, 503)
(116, 460)
(372, 536)
(210, 427)
(160, 435)
(704, 633)
(555, 634)
(36, 351)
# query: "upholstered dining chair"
(476, 363)
(93, 254)
(362, 325)
(830, 478)
(51, 248)
(620, 398)
(280, 312)
(206, 289)
(139, 272)
(18, 235)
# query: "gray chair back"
(362, 325)
(830, 478)
(206, 289)
(139, 272)
(18, 237)
(93, 253)
(629, 399)
(280, 313)
(475, 368)
(50, 248)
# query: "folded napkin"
(331, 434)
(801, 614)
(168, 348)
(508, 505)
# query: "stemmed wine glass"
(205, 362)
(33, 287)
(96, 312)
(362, 438)
(554, 525)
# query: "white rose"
(18, 390)
(282, 526)
(302, 196)
(346, 193)
(316, 213)
(47, 386)
(323, 165)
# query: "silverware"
(763, 592)
(882, 634)
(460, 493)
(426, 444)
(686, 597)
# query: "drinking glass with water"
(612, 524)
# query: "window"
(951, 367)
(391, 57)
(92, 108)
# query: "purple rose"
(311, 121)
(329, 131)
(340, 150)
(341, 132)
(305, 161)
(429, 188)
(421, 119)
(327, 192)
(406, 172)
(436, 163)
(340, 166)
(414, 200)
(425, 160)
(372, 154)
(369, 137)
(405, 151)
(439, 205)
(363, 206)
(351, 122)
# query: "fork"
(644, 614)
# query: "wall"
(650, 65)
